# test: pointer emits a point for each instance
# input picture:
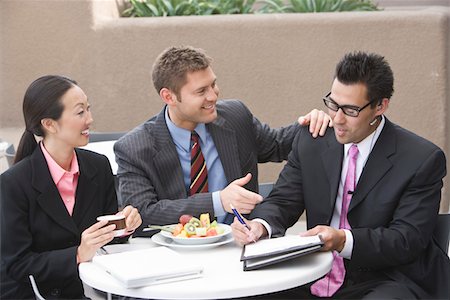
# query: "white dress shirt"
(364, 148)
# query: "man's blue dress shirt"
(216, 175)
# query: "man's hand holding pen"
(247, 233)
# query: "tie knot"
(353, 152)
(194, 136)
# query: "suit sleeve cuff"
(265, 224)
(348, 246)
(217, 205)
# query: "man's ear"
(49, 125)
(382, 107)
(167, 96)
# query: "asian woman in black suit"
(51, 197)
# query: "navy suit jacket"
(392, 213)
(38, 236)
(150, 173)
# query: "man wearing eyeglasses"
(371, 190)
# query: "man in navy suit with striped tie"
(198, 154)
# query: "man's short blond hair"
(173, 64)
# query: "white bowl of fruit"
(196, 231)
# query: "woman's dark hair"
(42, 100)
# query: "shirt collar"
(181, 136)
(55, 170)
(366, 145)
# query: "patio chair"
(442, 231)
(265, 189)
(10, 153)
(37, 294)
(105, 136)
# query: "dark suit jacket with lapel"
(38, 236)
(150, 172)
(392, 213)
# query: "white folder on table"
(149, 266)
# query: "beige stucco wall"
(280, 64)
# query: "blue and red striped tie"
(199, 172)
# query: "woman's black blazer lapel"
(87, 189)
(48, 196)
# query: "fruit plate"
(162, 241)
(198, 240)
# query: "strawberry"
(185, 219)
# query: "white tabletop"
(223, 275)
(105, 148)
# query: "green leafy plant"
(304, 6)
(227, 7)
(273, 6)
(164, 8)
(159, 8)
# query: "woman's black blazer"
(38, 236)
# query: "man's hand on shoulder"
(242, 199)
(318, 122)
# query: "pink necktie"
(327, 286)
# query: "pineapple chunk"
(204, 219)
(182, 234)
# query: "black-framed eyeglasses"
(349, 110)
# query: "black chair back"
(105, 136)
(265, 189)
(10, 153)
(442, 231)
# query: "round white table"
(223, 276)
